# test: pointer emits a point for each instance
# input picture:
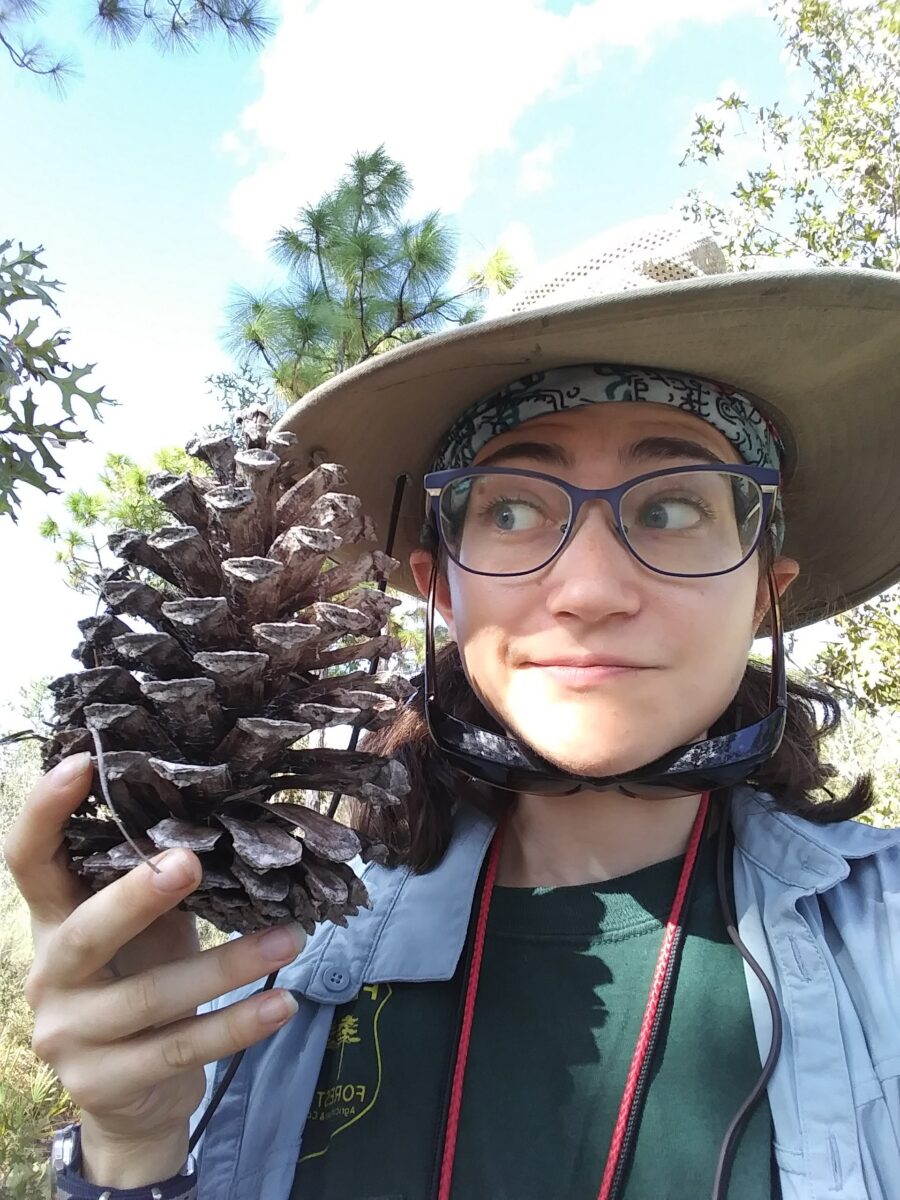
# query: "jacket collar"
(394, 942)
(796, 851)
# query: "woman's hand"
(117, 977)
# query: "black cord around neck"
(732, 1135)
(226, 1078)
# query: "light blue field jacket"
(817, 906)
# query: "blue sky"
(155, 183)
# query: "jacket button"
(335, 980)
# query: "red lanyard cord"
(632, 1126)
(462, 1049)
(649, 1024)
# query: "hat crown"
(638, 254)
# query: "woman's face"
(685, 640)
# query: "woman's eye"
(672, 513)
(514, 516)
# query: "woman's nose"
(594, 573)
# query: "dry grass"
(33, 1103)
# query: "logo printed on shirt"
(350, 1078)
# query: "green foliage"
(31, 366)
(407, 623)
(362, 279)
(172, 24)
(32, 1101)
(831, 189)
(863, 667)
(865, 743)
(238, 390)
(122, 501)
(498, 275)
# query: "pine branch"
(321, 265)
(241, 20)
(362, 306)
(27, 60)
(431, 309)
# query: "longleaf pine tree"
(362, 278)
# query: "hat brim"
(819, 348)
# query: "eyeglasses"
(683, 521)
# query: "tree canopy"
(362, 278)
(830, 190)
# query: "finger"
(34, 848)
(186, 1045)
(171, 936)
(170, 992)
(91, 936)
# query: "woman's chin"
(609, 754)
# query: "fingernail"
(278, 1008)
(174, 871)
(282, 943)
(70, 767)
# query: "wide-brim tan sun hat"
(818, 349)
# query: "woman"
(603, 541)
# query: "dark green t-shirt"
(564, 983)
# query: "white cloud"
(231, 144)
(518, 241)
(536, 165)
(346, 75)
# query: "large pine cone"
(198, 715)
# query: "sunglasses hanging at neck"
(503, 761)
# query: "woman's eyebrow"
(665, 448)
(552, 454)
(549, 453)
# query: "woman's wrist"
(113, 1163)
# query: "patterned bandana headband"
(731, 412)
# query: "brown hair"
(417, 832)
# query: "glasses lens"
(693, 522)
(503, 524)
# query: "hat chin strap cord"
(716, 763)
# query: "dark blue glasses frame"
(766, 478)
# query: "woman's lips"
(588, 676)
